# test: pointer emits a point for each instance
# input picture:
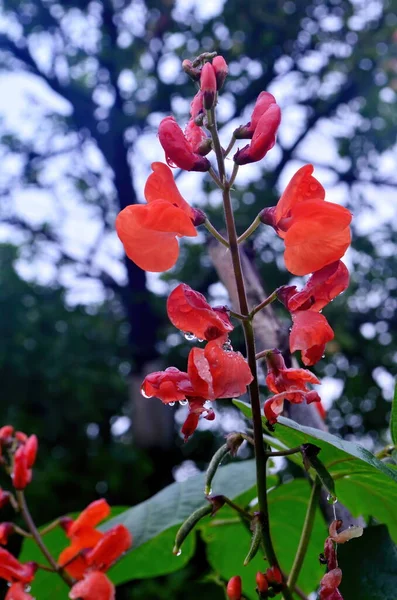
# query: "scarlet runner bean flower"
(262, 129)
(311, 331)
(221, 70)
(189, 311)
(149, 232)
(287, 384)
(13, 571)
(179, 150)
(94, 586)
(208, 85)
(316, 233)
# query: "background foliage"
(91, 81)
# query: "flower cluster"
(330, 582)
(90, 552)
(316, 235)
(215, 371)
(268, 584)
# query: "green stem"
(215, 177)
(38, 539)
(230, 146)
(260, 454)
(215, 233)
(244, 513)
(285, 452)
(264, 303)
(237, 315)
(306, 533)
(254, 225)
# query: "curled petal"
(274, 407)
(188, 310)
(12, 570)
(310, 332)
(263, 139)
(321, 288)
(280, 379)
(196, 410)
(332, 579)
(346, 535)
(94, 586)
(171, 385)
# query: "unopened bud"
(267, 216)
(234, 441)
(4, 498)
(199, 217)
(285, 292)
(208, 85)
(6, 529)
(273, 576)
(6, 432)
(31, 448)
(234, 588)
(193, 72)
(221, 70)
(261, 583)
(204, 147)
(243, 133)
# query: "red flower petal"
(113, 544)
(322, 287)
(188, 310)
(263, 139)
(161, 185)
(177, 148)
(310, 332)
(17, 592)
(302, 187)
(94, 586)
(12, 570)
(90, 517)
(318, 235)
(170, 385)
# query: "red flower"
(6, 432)
(189, 311)
(83, 535)
(171, 385)
(21, 475)
(221, 70)
(113, 544)
(196, 137)
(196, 108)
(178, 150)
(261, 582)
(17, 592)
(344, 536)
(94, 586)
(287, 384)
(234, 588)
(12, 570)
(208, 85)
(217, 373)
(31, 447)
(149, 232)
(310, 332)
(316, 233)
(262, 129)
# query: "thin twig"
(216, 233)
(254, 225)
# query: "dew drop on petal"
(183, 402)
(171, 404)
(227, 346)
(200, 340)
(190, 337)
(332, 499)
(145, 395)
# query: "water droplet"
(179, 552)
(227, 346)
(145, 395)
(183, 402)
(189, 336)
(171, 403)
(332, 499)
(200, 340)
(27, 588)
(209, 492)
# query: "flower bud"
(6, 529)
(234, 588)
(273, 576)
(178, 149)
(261, 582)
(267, 216)
(208, 85)
(6, 432)
(31, 448)
(263, 139)
(234, 441)
(199, 217)
(4, 498)
(221, 70)
(21, 475)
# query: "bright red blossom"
(217, 373)
(320, 289)
(310, 332)
(21, 474)
(171, 385)
(149, 232)
(221, 70)
(110, 547)
(316, 233)
(208, 85)
(287, 384)
(94, 586)
(189, 311)
(178, 150)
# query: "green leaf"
(153, 524)
(369, 566)
(393, 421)
(364, 484)
(227, 544)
